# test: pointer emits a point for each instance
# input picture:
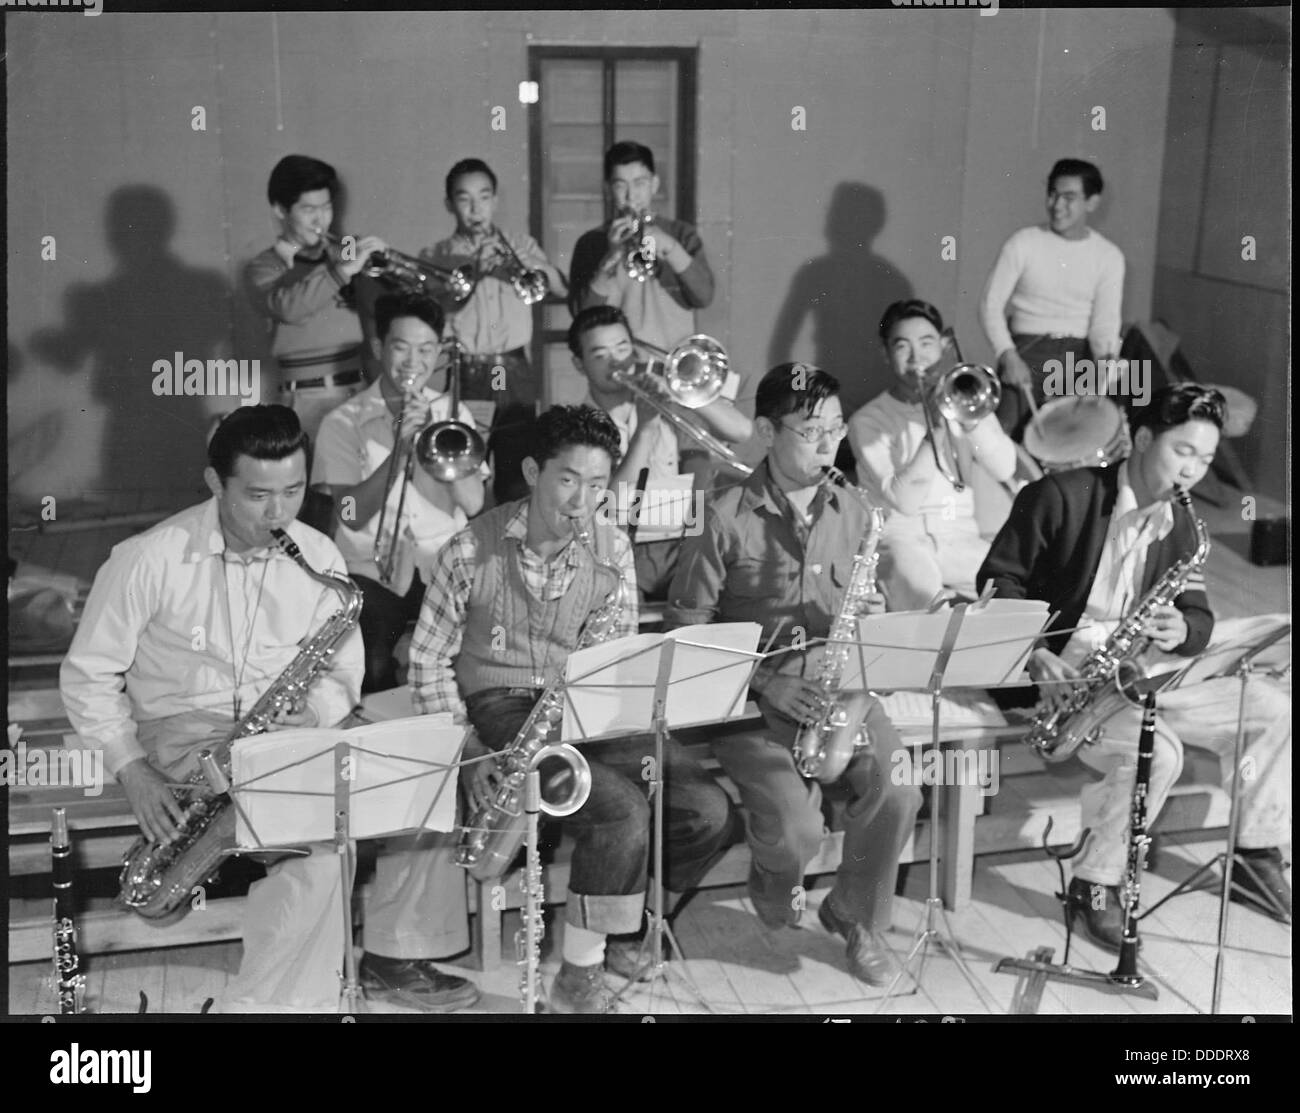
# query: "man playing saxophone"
(1092, 542)
(186, 627)
(778, 550)
(508, 600)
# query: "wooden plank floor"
(736, 966)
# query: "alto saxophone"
(825, 742)
(157, 878)
(1109, 674)
(491, 838)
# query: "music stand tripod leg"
(352, 1000)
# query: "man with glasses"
(931, 546)
(778, 550)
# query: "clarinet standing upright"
(69, 981)
(1126, 972)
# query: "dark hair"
(902, 310)
(1077, 168)
(592, 318)
(388, 307)
(1172, 406)
(263, 432)
(563, 427)
(793, 388)
(625, 152)
(469, 166)
(295, 175)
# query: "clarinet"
(1126, 973)
(69, 981)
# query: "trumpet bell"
(455, 286)
(696, 371)
(449, 450)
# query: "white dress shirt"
(175, 624)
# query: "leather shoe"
(1258, 882)
(631, 955)
(1100, 913)
(416, 983)
(869, 959)
(581, 989)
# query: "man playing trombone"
(361, 460)
(604, 351)
(495, 324)
(916, 462)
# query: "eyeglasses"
(813, 433)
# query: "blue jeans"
(611, 831)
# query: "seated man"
(187, 626)
(601, 343)
(1092, 542)
(932, 541)
(509, 599)
(777, 550)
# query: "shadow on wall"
(151, 307)
(846, 290)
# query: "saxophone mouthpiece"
(287, 544)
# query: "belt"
(489, 359)
(343, 378)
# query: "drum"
(1085, 432)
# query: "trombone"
(446, 450)
(531, 286)
(454, 285)
(965, 393)
(695, 373)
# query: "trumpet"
(640, 257)
(446, 450)
(531, 285)
(454, 286)
(695, 373)
(965, 393)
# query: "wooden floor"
(738, 966)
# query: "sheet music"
(612, 684)
(285, 780)
(970, 708)
(664, 510)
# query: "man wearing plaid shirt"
(507, 601)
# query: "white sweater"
(1049, 285)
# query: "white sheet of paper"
(900, 649)
(612, 684)
(276, 770)
(666, 509)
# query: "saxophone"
(1110, 673)
(157, 878)
(825, 742)
(491, 838)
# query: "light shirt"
(665, 455)
(494, 319)
(886, 433)
(175, 625)
(355, 440)
(1117, 585)
(1051, 286)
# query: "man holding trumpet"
(918, 466)
(361, 460)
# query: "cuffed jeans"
(1013, 411)
(611, 831)
(785, 827)
(1203, 715)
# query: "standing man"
(777, 550)
(1055, 290)
(496, 324)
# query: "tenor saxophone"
(826, 741)
(157, 878)
(492, 837)
(1109, 674)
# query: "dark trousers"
(1013, 411)
(384, 617)
(656, 563)
(612, 829)
(786, 826)
(515, 394)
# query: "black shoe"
(870, 959)
(581, 989)
(416, 983)
(630, 955)
(786, 915)
(1258, 883)
(1099, 911)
